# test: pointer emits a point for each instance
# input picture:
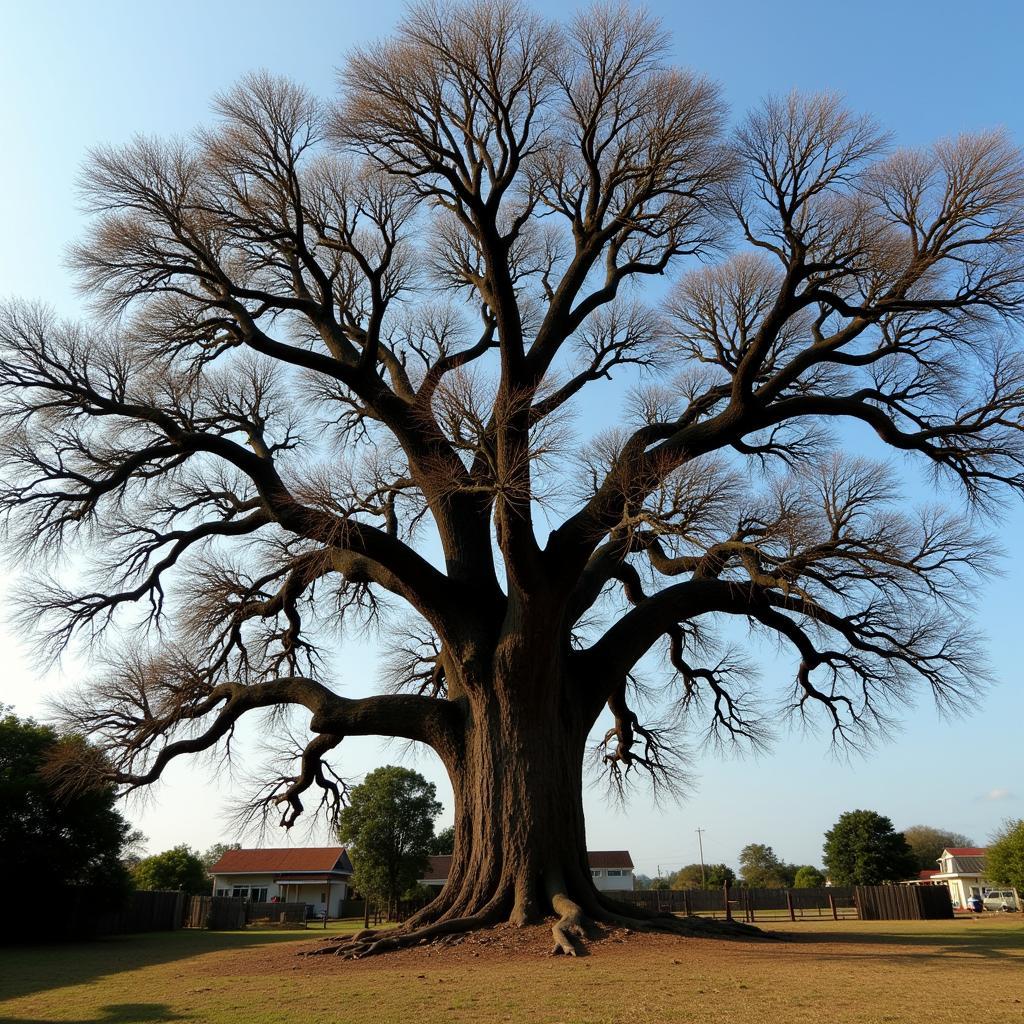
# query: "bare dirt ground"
(968, 971)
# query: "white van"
(999, 899)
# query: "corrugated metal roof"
(968, 865)
(283, 860)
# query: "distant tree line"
(862, 848)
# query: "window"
(595, 872)
(240, 891)
(223, 892)
(258, 895)
(614, 873)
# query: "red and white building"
(963, 870)
(315, 875)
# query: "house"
(315, 875)
(963, 870)
(610, 869)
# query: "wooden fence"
(745, 904)
(226, 913)
(80, 912)
(903, 902)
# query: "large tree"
(863, 848)
(70, 837)
(927, 844)
(327, 377)
(388, 826)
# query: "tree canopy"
(326, 379)
(808, 877)
(761, 868)
(177, 868)
(1004, 857)
(711, 876)
(927, 843)
(388, 829)
(863, 848)
(67, 836)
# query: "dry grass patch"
(856, 972)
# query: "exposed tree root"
(574, 925)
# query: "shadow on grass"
(40, 968)
(116, 1013)
(962, 939)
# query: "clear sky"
(76, 74)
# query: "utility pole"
(700, 845)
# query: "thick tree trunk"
(519, 830)
(520, 839)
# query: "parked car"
(999, 899)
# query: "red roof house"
(315, 875)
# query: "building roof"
(438, 867)
(967, 851)
(925, 875)
(609, 859)
(283, 860)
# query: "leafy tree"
(927, 844)
(687, 877)
(660, 883)
(717, 875)
(1004, 859)
(70, 837)
(642, 882)
(214, 854)
(760, 868)
(436, 266)
(713, 876)
(808, 877)
(443, 841)
(388, 828)
(177, 868)
(863, 848)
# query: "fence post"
(728, 909)
(789, 903)
(832, 904)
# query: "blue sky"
(74, 75)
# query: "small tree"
(863, 848)
(69, 837)
(388, 827)
(927, 844)
(711, 876)
(177, 868)
(808, 877)
(1004, 861)
(760, 868)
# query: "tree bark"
(520, 852)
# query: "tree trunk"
(520, 850)
(520, 837)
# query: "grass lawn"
(850, 971)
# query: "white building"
(963, 870)
(315, 875)
(610, 869)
